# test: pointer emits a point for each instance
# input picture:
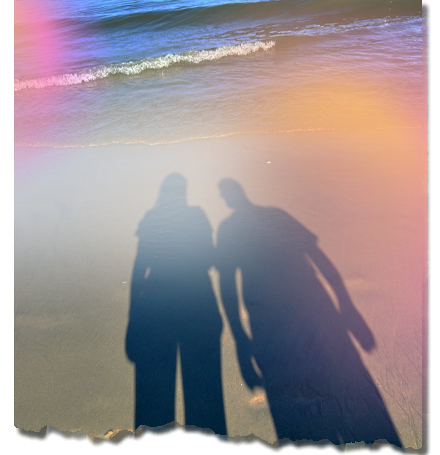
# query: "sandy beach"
(362, 194)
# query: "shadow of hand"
(248, 372)
(360, 331)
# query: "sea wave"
(137, 67)
(167, 15)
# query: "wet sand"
(76, 213)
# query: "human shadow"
(173, 306)
(316, 384)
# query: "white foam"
(133, 68)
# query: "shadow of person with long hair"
(173, 307)
(316, 384)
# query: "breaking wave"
(137, 67)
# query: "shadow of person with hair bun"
(173, 307)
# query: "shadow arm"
(243, 343)
(138, 276)
(134, 327)
(230, 303)
(353, 320)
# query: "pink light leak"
(32, 23)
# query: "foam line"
(137, 67)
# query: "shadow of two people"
(316, 383)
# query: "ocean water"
(92, 73)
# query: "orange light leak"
(350, 104)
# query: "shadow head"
(233, 194)
(172, 191)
